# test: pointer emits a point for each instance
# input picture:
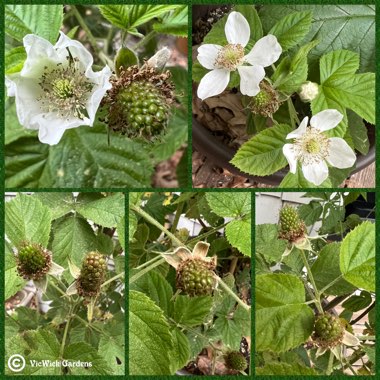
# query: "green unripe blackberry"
(92, 274)
(33, 261)
(266, 102)
(328, 330)
(139, 102)
(195, 277)
(236, 360)
(291, 227)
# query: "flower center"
(65, 90)
(230, 57)
(311, 147)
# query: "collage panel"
(190, 300)
(64, 284)
(283, 96)
(97, 96)
(315, 288)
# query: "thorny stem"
(177, 215)
(310, 275)
(232, 294)
(153, 221)
(292, 113)
(72, 307)
(113, 279)
(146, 270)
(201, 237)
(330, 284)
(145, 40)
(57, 288)
(155, 258)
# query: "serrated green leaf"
(174, 23)
(238, 233)
(229, 204)
(358, 301)
(129, 17)
(13, 282)
(267, 242)
(357, 256)
(191, 311)
(180, 353)
(336, 26)
(310, 213)
(112, 350)
(14, 60)
(85, 353)
(157, 288)
(283, 321)
(59, 204)
(106, 211)
(73, 238)
(340, 62)
(27, 219)
(150, 340)
(326, 269)
(285, 369)
(42, 20)
(262, 154)
(358, 132)
(292, 29)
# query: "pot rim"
(206, 143)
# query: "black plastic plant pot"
(208, 145)
(221, 154)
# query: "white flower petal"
(41, 284)
(316, 173)
(213, 83)
(290, 156)
(327, 119)
(207, 55)
(250, 78)
(72, 289)
(340, 153)
(337, 351)
(299, 131)
(287, 251)
(350, 339)
(237, 29)
(55, 269)
(266, 51)
(74, 270)
(201, 249)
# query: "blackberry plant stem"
(232, 294)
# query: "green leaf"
(59, 204)
(292, 29)
(85, 353)
(358, 302)
(121, 232)
(340, 26)
(81, 159)
(112, 350)
(233, 326)
(150, 341)
(357, 256)
(191, 311)
(358, 132)
(174, 23)
(283, 321)
(106, 211)
(14, 60)
(326, 269)
(129, 17)
(180, 353)
(198, 72)
(157, 288)
(13, 282)
(229, 204)
(27, 219)
(291, 73)
(238, 233)
(267, 242)
(285, 369)
(341, 88)
(73, 237)
(311, 212)
(43, 20)
(262, 154)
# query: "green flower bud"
(328, 330)
(235, 360)
(291, 227)
(266, 102)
